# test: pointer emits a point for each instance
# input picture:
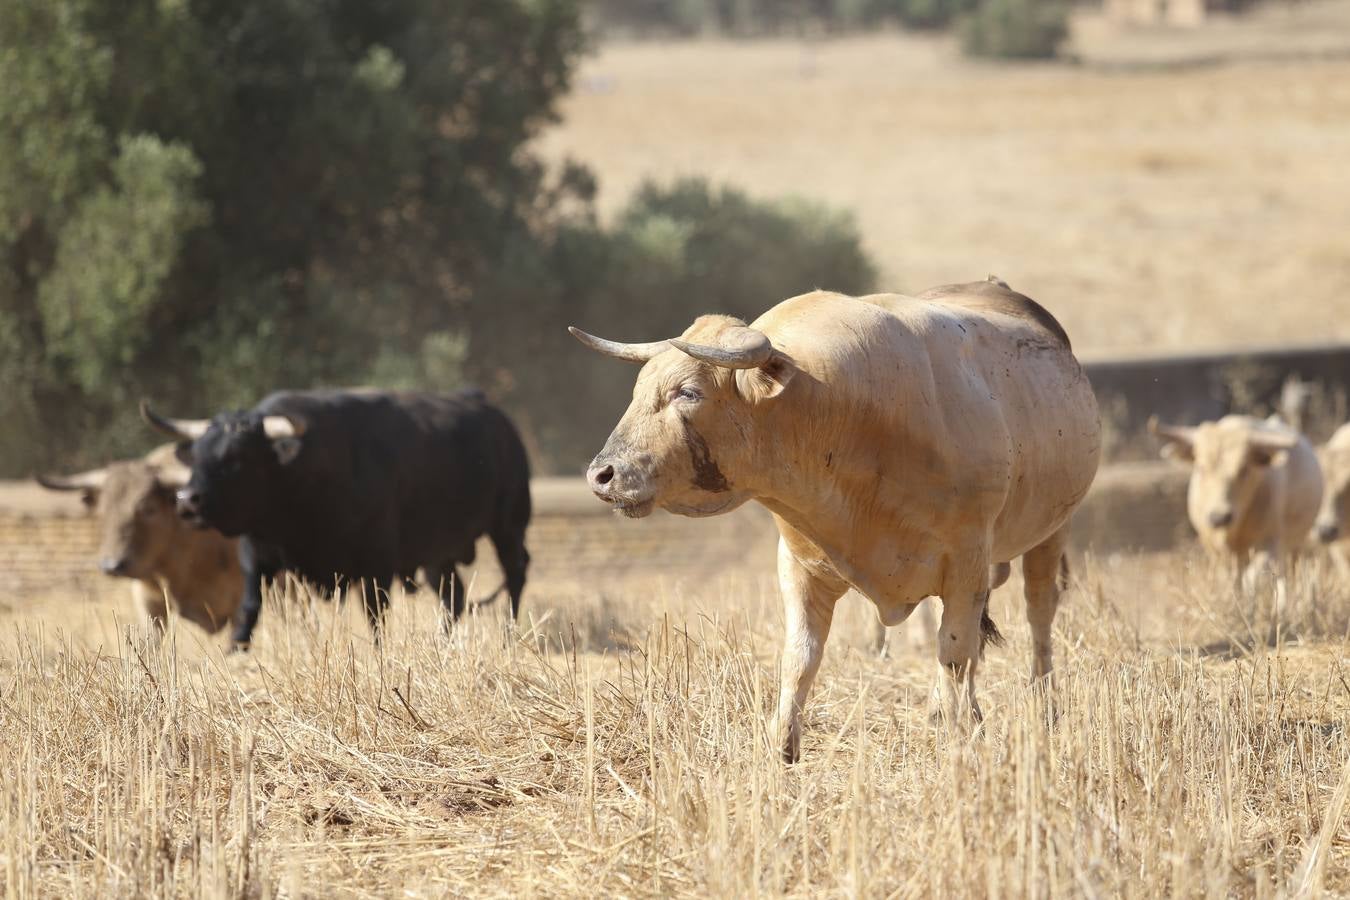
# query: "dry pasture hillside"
(1160, 207)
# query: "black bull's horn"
(190, 429)
(182, 429)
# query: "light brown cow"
(1333, 521)
(905, 446)
(195, 572)
(1255, 486)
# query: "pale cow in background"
(173, 565)
(1255, 486)
(1333, 521)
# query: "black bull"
(346, 486)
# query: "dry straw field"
(1152, 198)
(615, 745)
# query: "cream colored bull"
(195, 572)
(1255, 486)
(1333, 521)
(905, 445)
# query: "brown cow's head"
(1333, 522)
(1228, 460)
(135, 503)
(687, 442)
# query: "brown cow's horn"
(739, 348)
(85, 481)
(1182, 433)
(276, 427)
(634, 353)
(183, 429)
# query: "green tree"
(1015, 29)
(201, 200)
(675, 251)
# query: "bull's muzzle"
(628, 495)
(110, 566)
(600, 475)
(189, 504)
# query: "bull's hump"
(996, 296)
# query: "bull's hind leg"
(515, 561)
(375, 601)
(1044, 571)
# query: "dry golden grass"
(1156, 209)
(615, 746)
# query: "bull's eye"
(687, 393)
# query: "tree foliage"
(675, 251)
(1016, 29)
(204, 199)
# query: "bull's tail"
(490, 598)
(989, 633)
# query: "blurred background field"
(1160, 200)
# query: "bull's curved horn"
(85, 481)
(634, 353)
(1272, 441)
(183, 429)
(738, 348)
(1183, 433)
(277, 427)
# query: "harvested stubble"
(616, 746)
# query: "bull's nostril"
(1328, 533)
(1220, 518)
(604, 475)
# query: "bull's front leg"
(965, 598)
(255, 565)
(808, 609)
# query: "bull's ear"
(767, 381)
(1178, 452)
(286, 449)
(1178, 441)
(1266, 457)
